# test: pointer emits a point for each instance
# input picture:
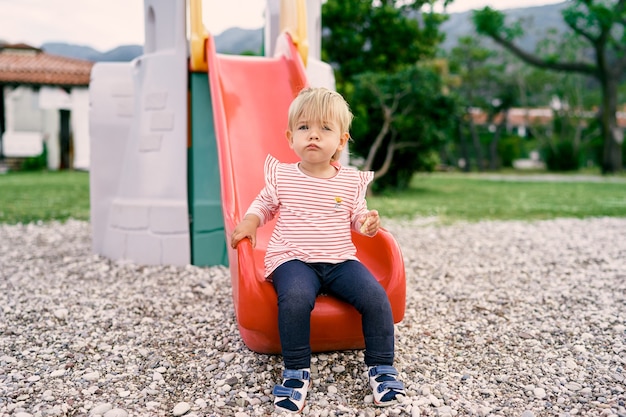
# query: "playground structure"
(178, 145)
(155, 192)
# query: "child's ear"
(289, 136)
(343, 140)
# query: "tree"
(570, 139)
(401, 119)
(377, 35)
(489, 83)
(374, 47)
(602, 25)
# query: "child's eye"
(303, 127)
(328, 128)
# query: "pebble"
(116, 412)
(91, 376)
(181, 408)
(61, 313)
(502, 319)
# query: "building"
(520, 120)
(44, 102)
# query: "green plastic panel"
(208, 245)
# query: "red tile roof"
(23, 64)
(529, 117)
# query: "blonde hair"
(321, 105)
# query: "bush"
(509, 149)
(562, 157)
(36, 163)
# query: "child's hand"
(370, 223)
(245, 229)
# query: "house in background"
(44, 101)
(521, 120)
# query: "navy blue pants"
(297, 285)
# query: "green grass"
(45, 196)
(454, 197)
(27, 197)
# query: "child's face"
(315, 141)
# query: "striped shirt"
(315, 215)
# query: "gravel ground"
(503, 319)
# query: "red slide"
(250, 98)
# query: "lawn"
(44, 196)
(455, 197)
(27, 197)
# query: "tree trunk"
(612, 137)
(2, 122)
(477, 145)
(493, 146)
(384, 130)
(467, 167)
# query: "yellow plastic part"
(198, 38)
(292, 20)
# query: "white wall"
(23, 136)
(80, 127)
(138, 127)
(32, 118)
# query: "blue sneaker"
(291, 394)
(386, 388)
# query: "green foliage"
(600, 25)
(36, 163)
(33, 196)
(488, 82)
(374, 47)
(420, 123)
(510, 148)
(478, 69)
(562, 156)
(488, 21)
(367, 35)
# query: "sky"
(106, 24)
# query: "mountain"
(121, 53)
(231, 41)
(239, 41)
(537, 20)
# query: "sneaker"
(291, 394)
(386, 388)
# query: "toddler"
(319, 203)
